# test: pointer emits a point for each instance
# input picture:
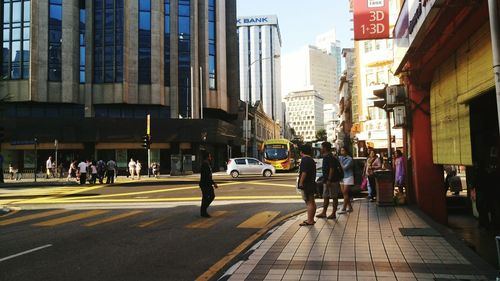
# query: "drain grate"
(419, 232)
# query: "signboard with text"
(371, 19)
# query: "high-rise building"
(311, 66)
(305, 112)
(260, 63)
(87, 73)
(328, 42)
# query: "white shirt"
(48, 164)
(131, 165)
(83, 167)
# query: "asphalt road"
(136, 243)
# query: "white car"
(248, 166)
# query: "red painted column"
(427, 178)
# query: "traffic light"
(146, 141)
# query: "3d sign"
(371, 19)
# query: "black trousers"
(111, 176)
(208, 195)
(83, 178)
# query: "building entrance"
(485, 147)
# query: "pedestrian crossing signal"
(146, 141)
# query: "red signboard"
(371, 19)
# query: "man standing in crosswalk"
(207, 184)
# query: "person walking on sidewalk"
(348, 180)
(93, 171)
(101, 170)
(110, 173)
(307, 182)
(372, 164)
(83, 167)
(331, 180)
(48, 167)
(207, 184)
(399, 168)
(138, 167)
(131, 167)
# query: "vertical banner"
(371, 19)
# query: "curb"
(231, 257)
(6, 210)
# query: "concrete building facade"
(305, 113)
(260, 63)
(92, 70)
(311, 66)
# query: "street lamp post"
(247, 135)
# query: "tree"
(321, 135)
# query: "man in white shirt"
(131, 167)
(48, 167)
(82, 167)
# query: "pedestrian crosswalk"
(139, 219)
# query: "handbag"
(364, 184)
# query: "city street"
(136, 231)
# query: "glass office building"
(70, 66)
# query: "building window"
(167, 43)
(82, 40)
(15, 58)
(55, 40)
(144, 42)
(368, 46)
(108, 41)
(184, 58)
(212, 45)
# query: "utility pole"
(495, 43)
(36, 155)
(148, 133)
(55, 145)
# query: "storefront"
(448, 69)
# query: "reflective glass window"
(15, 57)
(167, 43)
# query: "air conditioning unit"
(399, 116)
(395, 95)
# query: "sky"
(300, 21)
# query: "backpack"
(338, 171)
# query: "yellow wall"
(466, 74)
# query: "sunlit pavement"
(371, 243)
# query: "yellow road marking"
(218, 266)
(177, 199)
(150, 223)
(114, 218)
(269, 184)
(259, 220)
(71, 218)
(149, 191)
(32, 217)
(207, 222)
(36, 200)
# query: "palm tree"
(321, 135)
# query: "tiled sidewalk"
(364, 245)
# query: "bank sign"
(371, 19)
(258, 20)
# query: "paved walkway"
(367, 244)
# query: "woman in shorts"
(348, 181)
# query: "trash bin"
(385, 187)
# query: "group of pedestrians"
(338, 178)
(92, 171)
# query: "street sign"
(371, 19)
